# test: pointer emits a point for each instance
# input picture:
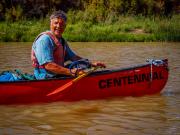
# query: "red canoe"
(146, 79)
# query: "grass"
(125, 28)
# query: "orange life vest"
(58, 54)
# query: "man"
(50, 50)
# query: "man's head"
(58, 23)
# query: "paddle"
(65, 86)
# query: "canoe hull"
(141, 80)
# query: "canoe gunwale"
(96, 73)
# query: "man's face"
(57, 26)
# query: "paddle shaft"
(83, 75)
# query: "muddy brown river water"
(148, 115)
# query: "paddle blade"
(61, 88)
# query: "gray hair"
(59, 14)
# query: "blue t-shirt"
(44, 47)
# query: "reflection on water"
(148, 115)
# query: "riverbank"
(125, 28)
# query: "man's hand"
(77, 71)
(100, 64)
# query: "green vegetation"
(93, 20)
(22, 31)
(125, 28)
(98, 10)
